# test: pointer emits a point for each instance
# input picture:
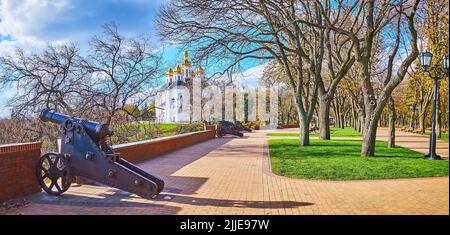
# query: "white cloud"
(23, 20)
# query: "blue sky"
(32, 24)
(46, 21)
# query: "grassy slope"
(334, 131)
(137, 130)
(340, 160)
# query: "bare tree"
(351, 90)
(337, 62)
(117, 73)
(374, 16)
(50, 79)
(233, 31)
(122, 69)
(19, 130)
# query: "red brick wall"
(210, 127)
(17, 174)
(143, 150)
(17, 161)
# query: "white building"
(170, 103)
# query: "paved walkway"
(417, 142)
(232, 176)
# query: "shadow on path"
(125, 200)
(234, 203)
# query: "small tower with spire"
(171, 95)
(200, 73)
(187, 66)
(178, 74)
(169, 76)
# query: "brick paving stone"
(233, 176)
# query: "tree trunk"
(422, 123)
(361, 123)
(353, 120)
(304, 133)
(108, 120)
(337, 114)
(369, 138)
(411, 121)
(392, 117)
(324, 119)
(370, 127)
(354, 117)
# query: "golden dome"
(200, 70)
(169, 72)
(178, 70)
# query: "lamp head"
(425, 59)
(445, 63)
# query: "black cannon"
(85, 153)
(241, 127)
(226, 127)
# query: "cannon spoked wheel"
(53, 174)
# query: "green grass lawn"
(334, 131)
(444, 136)
(341, 160)
(167, 129)
(137, 131)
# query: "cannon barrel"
(95, 130)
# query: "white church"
(170, 103)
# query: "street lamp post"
(435, 73)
